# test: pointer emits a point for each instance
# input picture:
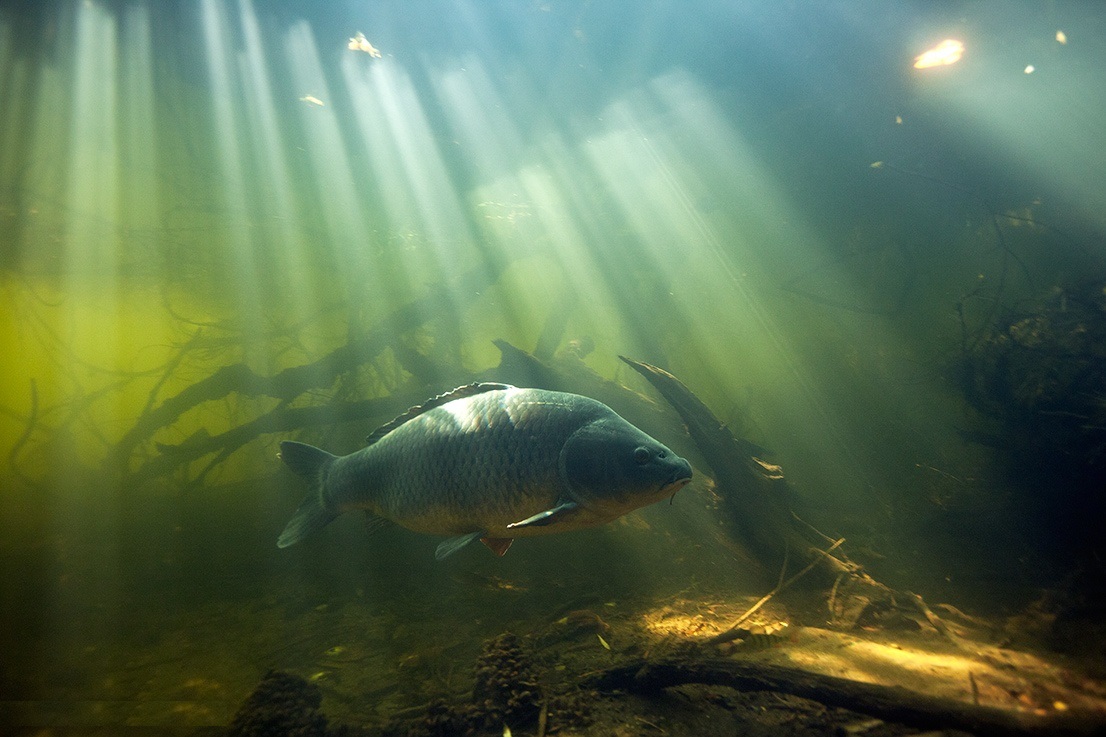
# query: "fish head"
(612, 467)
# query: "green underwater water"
(222, 227)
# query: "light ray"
(291, 270)
(138, 123)
(491, 143)
(92, 193)
(344, 211)
(420, 192)
(224, 97)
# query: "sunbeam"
(506, 276)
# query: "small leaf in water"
(506, 731)
(336, 650)
(603, 642)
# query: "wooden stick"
(735, 630)
(934, 620)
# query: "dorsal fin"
(468, 390)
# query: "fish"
(489, 462)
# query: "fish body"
(490, 462)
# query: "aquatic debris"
(1030, 69)
(282, 704)
(947, 52)
(864, 725)
(603, 642)
(1035, 373)
(311, 99)
(360, 43)
(506, 689)
(769, 638)
(506, 695)
(1061, 37)
(576, 625)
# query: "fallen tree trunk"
(890, 703)
(755, 495)
(755, 500)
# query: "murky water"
(226, 224)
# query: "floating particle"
(1061, 37)
(1030, 69)
(360, 43)
(948, 51)
(312, 100)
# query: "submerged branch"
(28, 430)
(736, 630)
(289, 384)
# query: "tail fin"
(311, 463)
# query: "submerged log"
(892, 703)
(756, 502)
(755, 495)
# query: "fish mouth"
(680, 478)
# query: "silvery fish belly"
(490, 462)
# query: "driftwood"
(893, 704)
(755, 499)
(755, 495)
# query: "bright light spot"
(360, 43)
(1030, 69)
(947, 52)
(1061, 37)
(898, 120)
(696, 618)
(312, 100)
(668, 622)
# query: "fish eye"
(641, 455)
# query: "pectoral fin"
(549, 516)
(448, 547)
(498, 545)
